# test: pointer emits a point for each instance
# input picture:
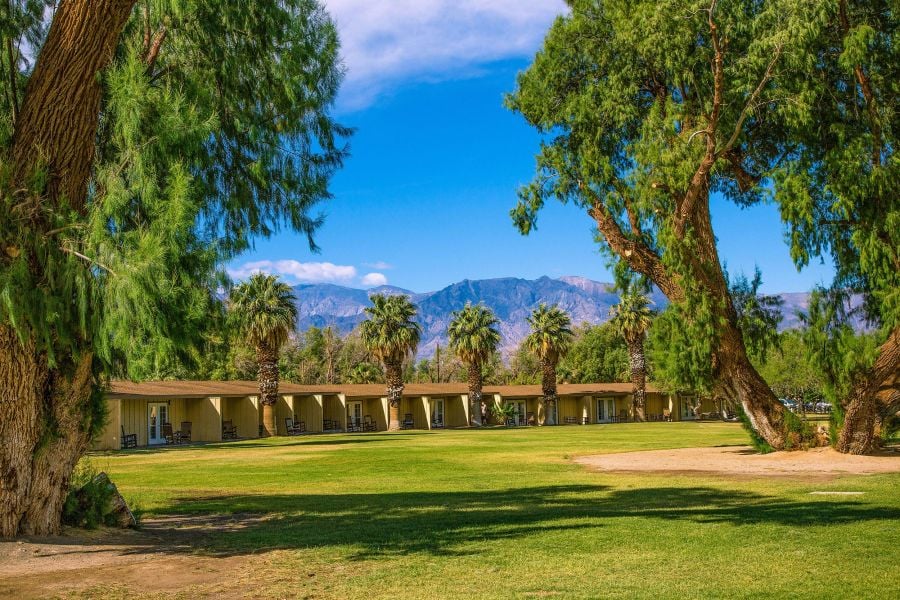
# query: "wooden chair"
(369, 423)
(169, 434)
(184, 436)
(294, 427)
(353, 426)
(572, 420)
(529, 418)
(408, 422)
(229, 431)
(129, 440)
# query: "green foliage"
(598, 353)
(501, 412)
(264, 310)
(88, 503)
(789, 371)
(551, 333)
(225, 136)
(758, 315)
(390, 333)
(632, 316)
(473, 333)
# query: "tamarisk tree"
(649, 108)
(839, 193)
(149, 143)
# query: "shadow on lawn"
(443, 523)
(313, 439)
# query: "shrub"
(88, 503)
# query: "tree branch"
(636, 253)
(750, 101)
(866, 87)
(155, 46)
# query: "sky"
(424, 199)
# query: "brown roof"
(203, 389)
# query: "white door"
(157, 415)
(354, 413)
(606, 410)
(437, 412)
(521, 415)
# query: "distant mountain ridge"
(512, 300)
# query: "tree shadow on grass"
(446, 524)
(313, 439)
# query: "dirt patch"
(156, 561)
(743, 461)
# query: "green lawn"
(505, 514)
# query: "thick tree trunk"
(476, 406)
(548, 388)
(393, 375)
(638, 376)
(267, 377)
(871, 399)
(44, 417)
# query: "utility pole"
(437, 362)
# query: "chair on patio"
(408, 422)
(129, 440)
(184, 436)
(353, 425)
(229, 431)
(369, 423)
(294, 427)
(529, 418)
(667, 415)
(437, 424)
(171, 436)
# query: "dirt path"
(743, 461)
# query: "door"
(157, 415)
(521, 415)
(354, 413)
(606, 410)
(437, 412)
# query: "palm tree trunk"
(548, 387)
(267, 358)
(476, 408)
(393, 375)
(638, 365)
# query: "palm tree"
(265, 313)
(549, 340)
(632, 317)
(474, 337)
(390, 335)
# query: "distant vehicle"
(788, 404)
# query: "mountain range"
(511, 299)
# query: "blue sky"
(424, 199)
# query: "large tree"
(391, 335)
(632, 317)
(549, 340)
(648, 108)
(474, 337)
(264, 310)
(150, 142)
(839, 192)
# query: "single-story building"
(216, 409)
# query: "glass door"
(354, 414)
(437, 412)
(157, 415)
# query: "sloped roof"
(204, 389)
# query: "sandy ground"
(742, 461)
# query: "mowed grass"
(505, 514)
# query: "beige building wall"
(243, 412)
(455, 413)
(110, 437)
(333, 409)
(309, 410)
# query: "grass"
(505, 514)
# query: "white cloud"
(300, 272)
(373, 280)
(379, 265)
(387, 42)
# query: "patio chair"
(529, 418)
(184, 436)
(353, 426)
(408, 422)
(229, 431)
(369, 423)
(129, 440)
(171, 436)
(667, 415)
(294, 427)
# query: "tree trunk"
(638, 375)
(476, 407)
(871, 399)
(548, 388)
(393, 375)
(58, 121)
(45, 417)
(267, 358)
